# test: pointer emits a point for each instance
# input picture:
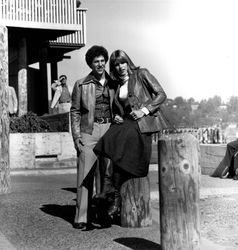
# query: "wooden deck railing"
(43, 14)
(77, 38)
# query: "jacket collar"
(90, 78)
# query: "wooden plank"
(59, 12)
(62, 11)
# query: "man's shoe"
(235, 177)
(80, 225)
(225, 173)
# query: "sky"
(190, 46)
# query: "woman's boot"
(107, 190)
(106, 179)
(115, 208)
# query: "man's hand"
(57, 82)
(137, 114)
(118, 119)
(78, 144)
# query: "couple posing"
(112, 118)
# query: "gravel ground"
(39, 212)
(219, 218)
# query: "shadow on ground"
(65, 212)
(73, 190)
(138, 243)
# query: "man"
(228, 167)
(91, 115)
(62, 96)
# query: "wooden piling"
(136, 204)
(4, 118)
(179, 183)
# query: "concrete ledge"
(211, 156)
(42, 171)
(33, 150)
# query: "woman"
(137, 115)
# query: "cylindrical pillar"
(4, 118)
(22, 76)
(179, 183)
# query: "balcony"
(61, 15)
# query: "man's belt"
(101, 120)
(64, 102)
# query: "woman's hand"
(137, 114)
(118, 119)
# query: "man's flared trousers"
(86, 166)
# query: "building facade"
(40, 32)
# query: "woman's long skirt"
(127, 147)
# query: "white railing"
(77, 38)
(44, 14)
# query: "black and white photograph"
(118, 124)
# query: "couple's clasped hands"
(136, 114)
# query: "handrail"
(78, 37)
(58, 14)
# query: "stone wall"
(39, 150)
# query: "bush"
(28, 123)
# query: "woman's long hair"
(119, 56)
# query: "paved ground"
(38, 214)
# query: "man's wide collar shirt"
(102, 105)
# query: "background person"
(62, 98)
(136, 107)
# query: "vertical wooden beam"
(54, 70)
(54, 76)
(179, 182)
(4, 118)
(22, 76)
(44, 108)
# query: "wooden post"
(43, 55)
(179, 182)
(4, 119)
(136, 204)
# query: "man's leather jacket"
(144, 91)
(83, 104)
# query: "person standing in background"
(62, 98)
